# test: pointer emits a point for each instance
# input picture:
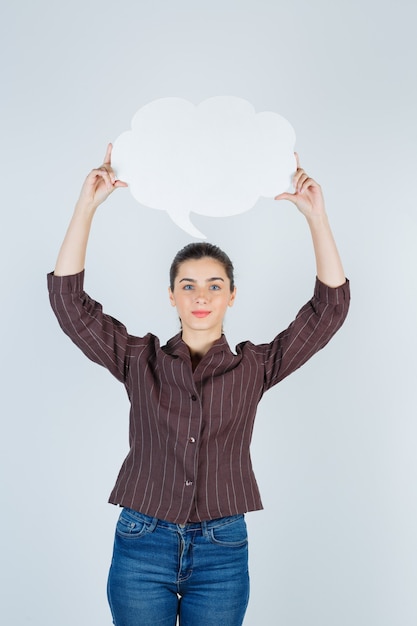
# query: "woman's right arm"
(102, 338)
(99, 184)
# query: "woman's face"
(202, 295)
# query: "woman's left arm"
(308, 198)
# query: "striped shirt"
(190, 431)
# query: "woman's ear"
(232, 297)
(171, 297)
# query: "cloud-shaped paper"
(217, 158)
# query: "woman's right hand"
(100, 183)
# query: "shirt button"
(193, 398)
(188, 483)
(191, 440)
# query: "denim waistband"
(205, 525)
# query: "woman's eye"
(215, 287)
(188, 287)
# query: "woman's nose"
(201, 295)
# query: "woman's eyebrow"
(208, 280)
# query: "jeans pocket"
(131, 524)
(232, 533)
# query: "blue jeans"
(197, 571)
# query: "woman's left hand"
(308, 197)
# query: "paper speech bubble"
(216, 158)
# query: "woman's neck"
(199, 343)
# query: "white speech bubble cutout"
(216, 158)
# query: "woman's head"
(201, 289)
(197, 251)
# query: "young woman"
(181, 544)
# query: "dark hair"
(196, 251)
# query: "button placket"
(196, 412)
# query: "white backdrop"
(336, 543)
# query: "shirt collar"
(176, 347)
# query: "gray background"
(334, 445)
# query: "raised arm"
(308, 198)
(99, 184)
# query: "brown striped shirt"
(190, 432)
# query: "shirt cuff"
(66, 284)
(332, 295)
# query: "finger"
(297, 176)
(120, 183)
(285, 196)
(105, 175)
(307, 183)
(297, 159)
(107, 158)
(301, 180)
(106, 167)
(101, 171)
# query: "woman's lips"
(200, 314)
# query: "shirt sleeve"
(313, 327)
(102, 338)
